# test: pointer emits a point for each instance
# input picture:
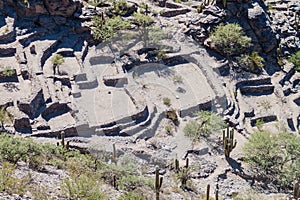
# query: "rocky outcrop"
(174, 12)
(261, 25)
(65, 8)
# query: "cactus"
(296, 190)
(228, 142)
(114, 183)
(114, 155)
(62, 138)
(187, 163)
(225, 3)
(68, 145)
(217, 195)
(207, 192)
(158, 183)
(176, 166)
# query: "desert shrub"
(230, 39)
(295, 59)
(129, 183)
(120, 7)
(83, 187)
(177, 79)
(142, 19)
(57, 59)
(154, 35)
(252, 62)
(8, 71)
(206, 123)
(104, 29)
(276, 157)
(39, 192)
(4, 117)
(167, 101)
(13, 149)
(161, 54)
(248, 195)
(9, 183)
(132, 196)
(172, 115)
(192, 129)
(168, 128)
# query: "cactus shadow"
(236, 166)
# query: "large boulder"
(22, 124)
(65, 8)
(261, 25)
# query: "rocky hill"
(134, 73)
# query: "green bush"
(103, 29)
(8, 72)
(177, 79)
(9, 183)
(132, 196)
(120, 7)
(57, 59)
(167, 101)
(168, 128)
(142, 19)
(206, 123)
(13, 149)
(252, 62)
(295, 59)
(276, 157)
(83, 187)
(129, 183)
(4, 117)
(172, 115)
(230, 39)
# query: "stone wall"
(193, 109)
(33, 105)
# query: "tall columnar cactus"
(158, 183)
(228, 141)
(217, 195)
(187, 163)
(176, 165)
(296, 190)
(207, 192)
(114, 154)
(63, 138)
(68, 145)
(225, 3)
